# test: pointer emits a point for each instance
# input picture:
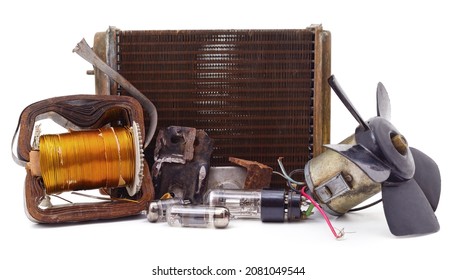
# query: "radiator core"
(260, 94)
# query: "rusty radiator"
(260, 94)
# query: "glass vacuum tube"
(241, 203)
(270, 205)
(198, 216)
(157, 209)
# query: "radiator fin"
(250, 90)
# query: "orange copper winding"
(83, 160)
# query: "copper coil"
(85, 160)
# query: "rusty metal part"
(258, 175)
(182, 157)
(338, 183)
(83, 49)
(80, 112)
(257, 93)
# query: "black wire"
(366, 206)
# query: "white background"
(410, 47)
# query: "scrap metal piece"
(181, 162)
(226, 177)
(258, 175)
(83, 50)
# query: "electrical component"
(117, 161)
(200, 216)
(91, 159)
(241, 203)
(103, 150)
(269, 205)
(377, 158)
(157, 209)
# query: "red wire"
(341, 234)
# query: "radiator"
(260, 94)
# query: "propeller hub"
(400, 144)
(386, 142)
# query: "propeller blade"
(340, 93)
(407, 210)
(383, 102)
(427, 176)
(377, 170)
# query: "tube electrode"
(198, 216)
